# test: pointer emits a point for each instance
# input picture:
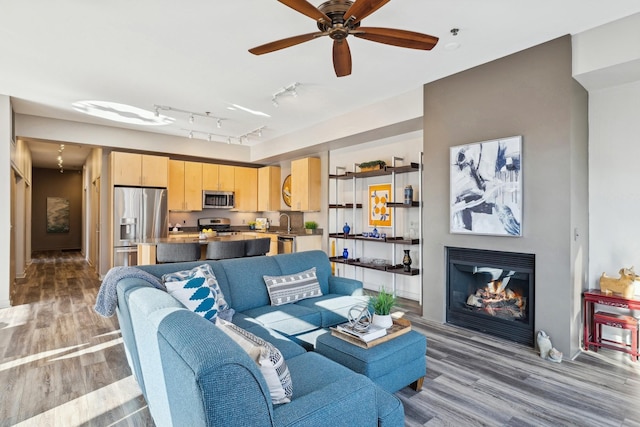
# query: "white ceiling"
(193, 56)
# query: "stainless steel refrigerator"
(139, 214)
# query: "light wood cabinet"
(185, 186)
(305, 184)
(246, 189)
(218, 177)
(269, 188)
(139, 169)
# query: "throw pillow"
(205, 271)
(293, 287)
(267, 356)
(195, 295)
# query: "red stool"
(619, 321)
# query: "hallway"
(61, 364)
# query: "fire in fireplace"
(492, 292)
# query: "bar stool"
(619, 321)
(258, 247)
(225, 249)
(177, 252)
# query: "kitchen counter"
(147, 247)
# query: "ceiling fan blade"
(363, 8)
(307, 9)
(341, 58)
(284, 43)
(401, 38)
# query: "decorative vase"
(346, 229)
(374, 233)
(345, 253)
(406, 261)
(408, 195)
(382, 320)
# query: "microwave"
(217, 199)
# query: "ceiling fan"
(341, 18)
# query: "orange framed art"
(379, 212)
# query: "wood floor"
(63, 365)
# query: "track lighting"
(191, 114)
(212, 137)
(287, 90)
(59, 158)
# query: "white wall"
(614, 180)
(5, 193)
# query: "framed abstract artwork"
(486, 187)
(57, 215)
(379, 213)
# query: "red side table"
(593, 337)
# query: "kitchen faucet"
(288, 221)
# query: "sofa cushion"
(194, 294)
(246, 285)
(267, 356)
(203, 270)
(290, 288)
(290, 319)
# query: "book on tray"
(371, 333)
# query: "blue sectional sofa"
(191, 373)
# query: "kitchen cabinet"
(218, 177)
(269, 188)
(246, 189)
(139, 169)
(185, 186)
(305, 184)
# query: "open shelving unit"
(340, 209)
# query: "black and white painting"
(486, 187)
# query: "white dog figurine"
(623, 285)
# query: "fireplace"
(492, 292)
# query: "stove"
(222, 226)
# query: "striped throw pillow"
(292, 287)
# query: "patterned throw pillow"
(195, 295)
(205, 271)
(267, 356)
(293, 287)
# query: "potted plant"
(252, 225)
(310, 226)
(382, 303)
(372, 165)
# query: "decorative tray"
(400, 326)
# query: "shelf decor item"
(345, 253)
(406, 261)
(380, 214)
(486, 187)
(346, 229)
(382, 303)
(372, 165)
(408, 195)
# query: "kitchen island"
(147, 248)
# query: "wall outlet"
(243, 222)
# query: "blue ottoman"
(392, 365)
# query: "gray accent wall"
(530, 93)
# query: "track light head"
(219, 123)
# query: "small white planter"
(384, 321)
